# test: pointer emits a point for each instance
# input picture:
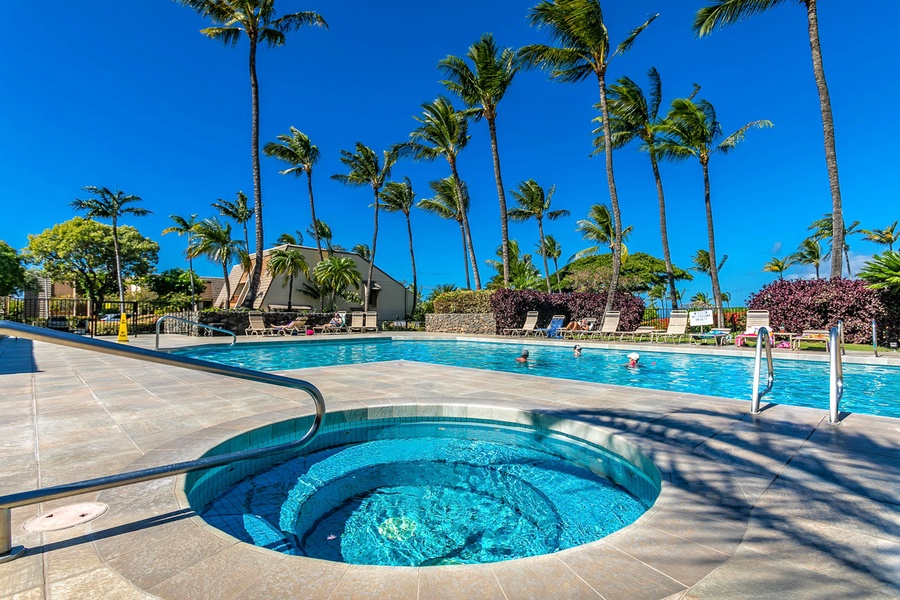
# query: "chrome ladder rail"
(835, 373)
(189, 322)
(762, 339)
(10, 501)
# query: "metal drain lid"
(66, 516)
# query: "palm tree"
(720, 13)
(296, 150)
(658, 292)
(701, 299)
(822, 230)
(398, 196)
(288, 238)
(367, 169)
(212, 239)
(255, 19)
(553, 250)
(363, 251)
(703, 263)
(447, 205)
(599, 228)
(691, 129)
(184, 226)
(883, 271)
(535, 204)
(239, 211)
(523, 275)
(483, 88)
(778, 265)
(583, 49)
(112, 206)
(321, 230)
(885, 237)
(287, 261)
(336, 274)
(441, 288)
(444, 132)
(809, 253)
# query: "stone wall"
(453, 323)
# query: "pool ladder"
(10, 501)
(194, 323)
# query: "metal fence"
(735, 317)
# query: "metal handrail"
(835, 375)
(10, 501)
(189, 322)
(762, 339)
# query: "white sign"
(701, 317)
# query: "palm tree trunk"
(556, 266)
(465, 217)
(191, 274)
(613, 198)
(501, 194)
(290, 289)
(847, 258)
(118, 265)
(256, 274)
(227, 286)
(462, 231)
(372, 257)
(312, 210)
(663, 233)
(544, 254)
(837, 214)
(412, 260)
(713, 265)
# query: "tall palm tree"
(239, 211)
(809, 253)
(184, 226)
(553, 250)
(534, 203)
(720, 13)
(321, 230)
(583, 48)
(296, 150)
(398, 196)
(482, 88)
(885, 237)
(257, 20)
(447, 205)
(691, 129)
(212, 239)
(287, 261)
(336, 274)
(366, 169)
(111, 205)
(779, 265)
(444, 132)
(599, 228)
(823, 230)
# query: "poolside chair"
(329, 328)
(357, 321)
(551, 330)
(820, 336)
(755, 320)
(527, 328)
(677, 329)
(371, 321)
(638, 334)
(258, 325)
(610, 325)
(298, 326)
(585, 332)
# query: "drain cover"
(66, 516)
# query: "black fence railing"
(735, 317)
(80, 315)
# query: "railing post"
(7, 552)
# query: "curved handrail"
(835, 375)
(762, 339)
(189, 322)
(9, 501)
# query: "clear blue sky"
(130, 95)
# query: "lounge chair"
(610, 325)
(551, 330)
(527, 328)
(371, 321)
(638, 334)
(755, 320)
(677, 329)
(820, 336)
(329, 328)
(582, 332)
(297, 326)
(258, 325)
(357, 321)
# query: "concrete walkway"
(777, 505)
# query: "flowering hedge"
(510, 307)
(800, 304)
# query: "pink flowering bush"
(510, 307)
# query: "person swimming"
(633, 359)
(577, 350)
(523, 357)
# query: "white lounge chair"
(527, 328)
(258, 325)
(677, 329)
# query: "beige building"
(389, 297)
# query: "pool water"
(447, 494)
(873, 390)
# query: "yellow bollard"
(123, 328)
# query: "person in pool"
(633, 359)
(523, 358)
(577, 350)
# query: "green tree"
(366, 169)
(640, 273)
(176, 285)
(336, 275)
(552, 250)
(523, 274)
(257, 20)
(720, 13)
(778, 265)
(691, 129)
(886, 237)
(482, 87)
(600, 229)
(296, 150)
(883, 271)
(112, 206)
(703, 262)
(212, 239)
(398, 196)
(184, 226)
(582, 49)
(809, 253)
(701, 299)
(78, 250)
(292, 239)
(12, 272)
(320, 230)
(446, 204)
(238, 211)
(534, 203)
(823, 230)
(444, 133)
(363, 251)
(287, 261)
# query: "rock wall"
(453, 323)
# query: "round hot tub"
(419, 489)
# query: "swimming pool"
(873, 390)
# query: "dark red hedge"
(510, 307)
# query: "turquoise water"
(437, 494)
(867, 389)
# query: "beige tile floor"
(776, 505)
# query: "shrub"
(511, 306)
(463, 302)
(802, 304)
